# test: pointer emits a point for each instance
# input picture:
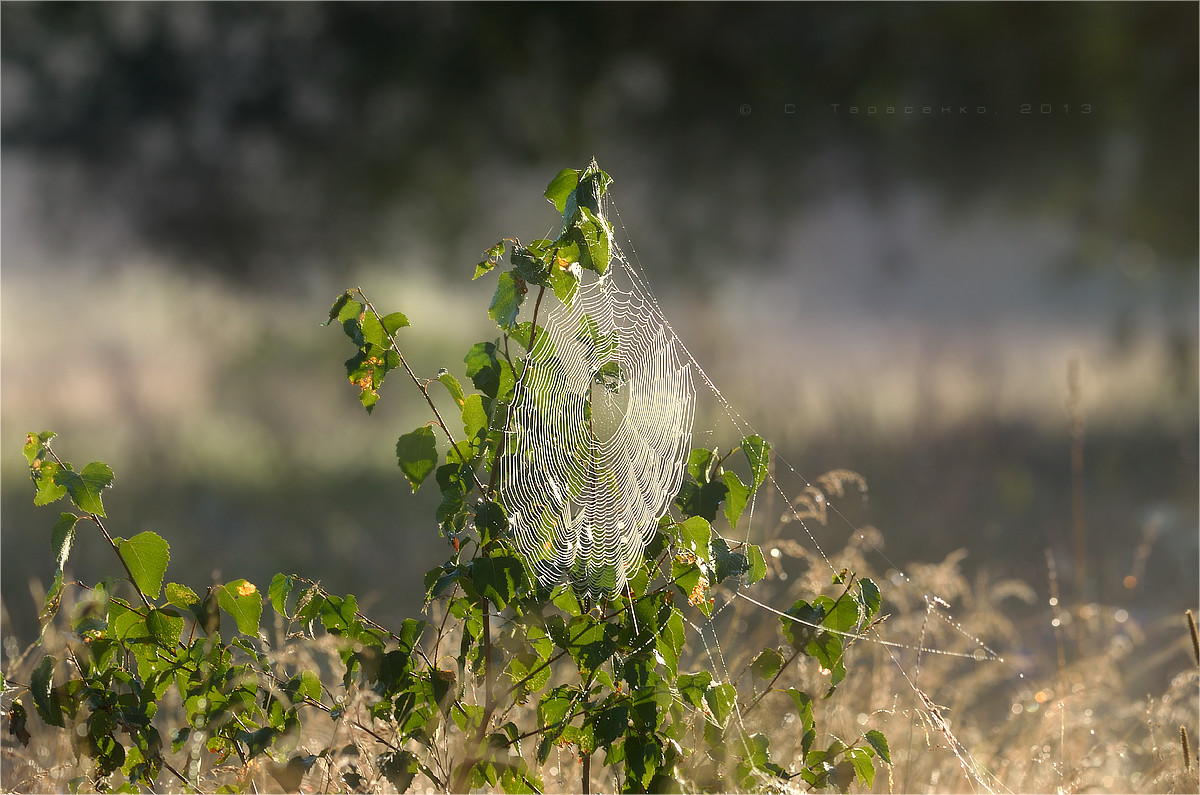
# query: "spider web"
(598, 436)
(597, 441)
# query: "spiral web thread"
(598, 435)
(597, 440)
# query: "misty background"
(886, 231)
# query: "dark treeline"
(255, 138)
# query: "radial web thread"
(598, 435)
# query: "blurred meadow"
(951, 247)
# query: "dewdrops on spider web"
(598, 436)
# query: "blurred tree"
(260, 138)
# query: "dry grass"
(1102, 711)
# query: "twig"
(537, 305)
(1191, 621)
(177, 774)
(782, 668)
(1077, 433)
(488, 704)
(96, 521)
(421, 386)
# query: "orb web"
(598, 436)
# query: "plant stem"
(585, 779)
(782, 668)
(488, 704)
(96, 521)
(1077, 432)
(177, 774)
(421, 386)
(537, 305)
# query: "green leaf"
(530, 266)
(565, 599)
(700, 463)
(166, 628)
(351, 314)
(669, 641)
(147, 556)
(522, 332)
(767, 664)
(701, 500)
(695, 534)
(643, 756)
(35, 443)
(758, 564)
(308, 686)
(561, 187)
(490, 521)
(483, 368)
(377, 333)
(828, 649)
(880, 744)
(756, 748)
(840, 615)
(507, 300)
(48, 488)
(869, 597)
(18, 721)
(864, 769)
(758, 453)
(564, 282)
(278, 592)
(737, 494)
(335, 311)
(650, 703)
(594, 234)
(804, 710)
(500, 578)
(45, 697)
(593, 183)
(452, 386)
(475, 423)
(591, 643)
(554, 705)
(85, 487)
(687, 578)
(517, 780)
(552, 711)
(482, 267)
(417, 455)
(720, 699)
(400, 767)
(61, 539)
(728, 564)
(489, 259)
(50, 605)
(610, 723)
(692, 687)
(241, 600)
(181, 596)
(801, 622)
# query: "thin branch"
(745, 711)
(488, 704)
(177, 774)
(96, 521)
(421, 386)
(537, 305)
